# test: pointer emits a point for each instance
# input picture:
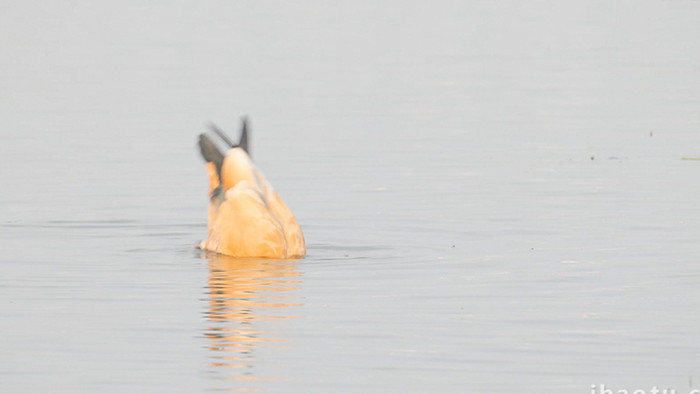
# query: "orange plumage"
(247, 218)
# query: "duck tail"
(211, 152)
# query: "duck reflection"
(246, 295)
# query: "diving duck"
(247, 218)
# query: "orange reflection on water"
(245, 294)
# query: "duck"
(247, 217)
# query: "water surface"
(493, 195)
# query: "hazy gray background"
(493, 194)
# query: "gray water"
(496, 196)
